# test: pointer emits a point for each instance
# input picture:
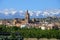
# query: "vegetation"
(31, 32)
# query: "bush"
(32, 32)
(38, 33)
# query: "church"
(18, 22)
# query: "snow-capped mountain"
(33, 14)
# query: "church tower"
(27, 17)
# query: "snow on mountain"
(33, 14)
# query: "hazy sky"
(29, 4)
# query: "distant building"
(34, 22)
(19, 23)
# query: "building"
(28, 22)
(20, 22)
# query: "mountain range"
(5, 14)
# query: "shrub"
(32, 32)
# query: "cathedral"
(18, 22)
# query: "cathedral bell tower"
(27, 17)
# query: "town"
(43, 23)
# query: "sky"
(36, 8)
(29, 4)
